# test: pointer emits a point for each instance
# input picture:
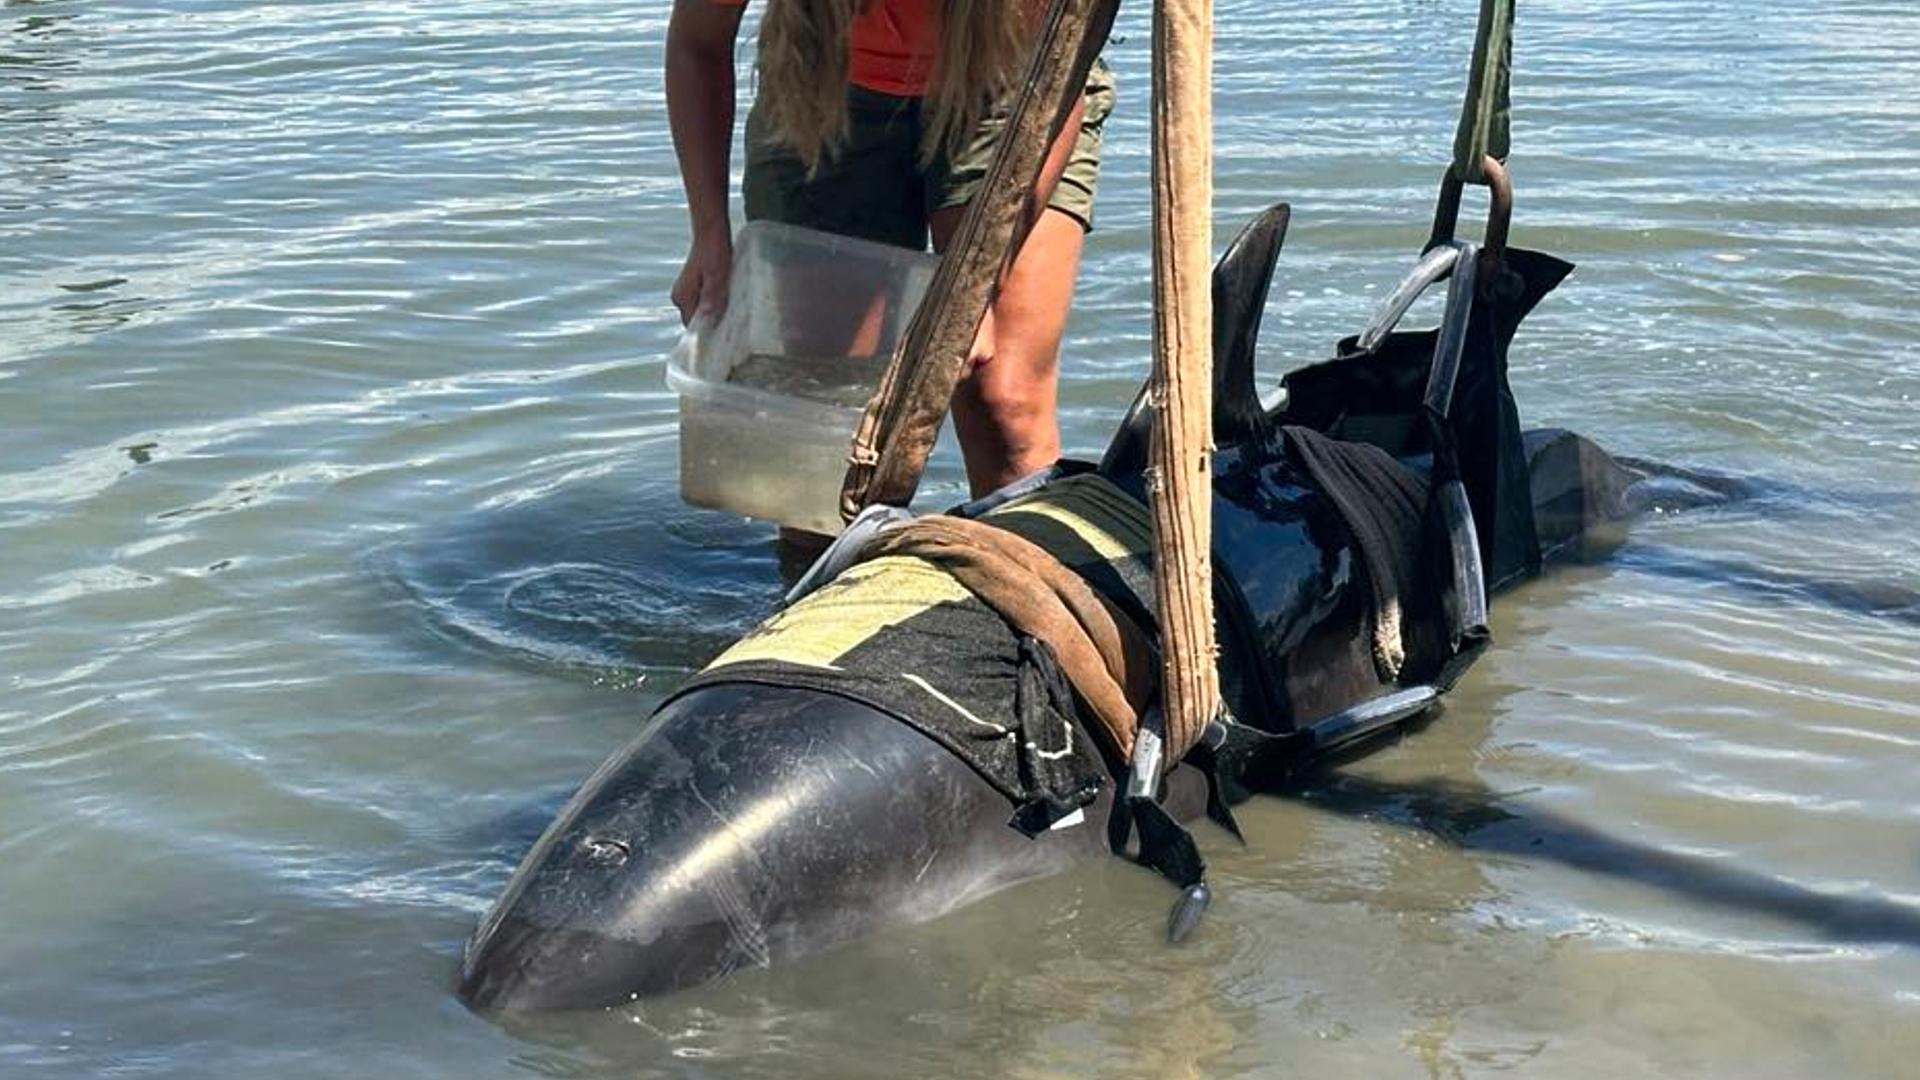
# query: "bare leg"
(1004, 411)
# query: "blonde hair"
(804, 47)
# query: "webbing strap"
(1105, 655)
(1383, 504)
(1485, 118)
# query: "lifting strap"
(1486, 116)
(902, 420)
(1485, 135)
(1106, 656)
(1384, 505)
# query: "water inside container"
(771, 392)
(846, 381)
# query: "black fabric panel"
(958, 674)
(1377, 398)
(1384, 505)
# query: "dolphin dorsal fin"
(1240, 282)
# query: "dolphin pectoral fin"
(1240, 282)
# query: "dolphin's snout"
(523, 967)
(647, 883)
(744, 825)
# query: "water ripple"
(337, 489)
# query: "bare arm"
(700, 107)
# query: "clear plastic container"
(771, 392)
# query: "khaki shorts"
(875, 188)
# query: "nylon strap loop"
(1486, 116)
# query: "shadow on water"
(1674, 489)
(1474, 819)
(1879, 598)
(619, 581)
(1671, 488)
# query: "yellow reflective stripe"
(851, 609)
(1082, 520)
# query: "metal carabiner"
(1446, 210)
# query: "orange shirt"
(893, 48)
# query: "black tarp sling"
(1376, 397)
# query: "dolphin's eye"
(604, 851)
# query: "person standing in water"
(877, 119)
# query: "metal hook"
(1446, 211)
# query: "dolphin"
(749, 824)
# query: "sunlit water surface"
(340, 534)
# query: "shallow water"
(341, 540)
